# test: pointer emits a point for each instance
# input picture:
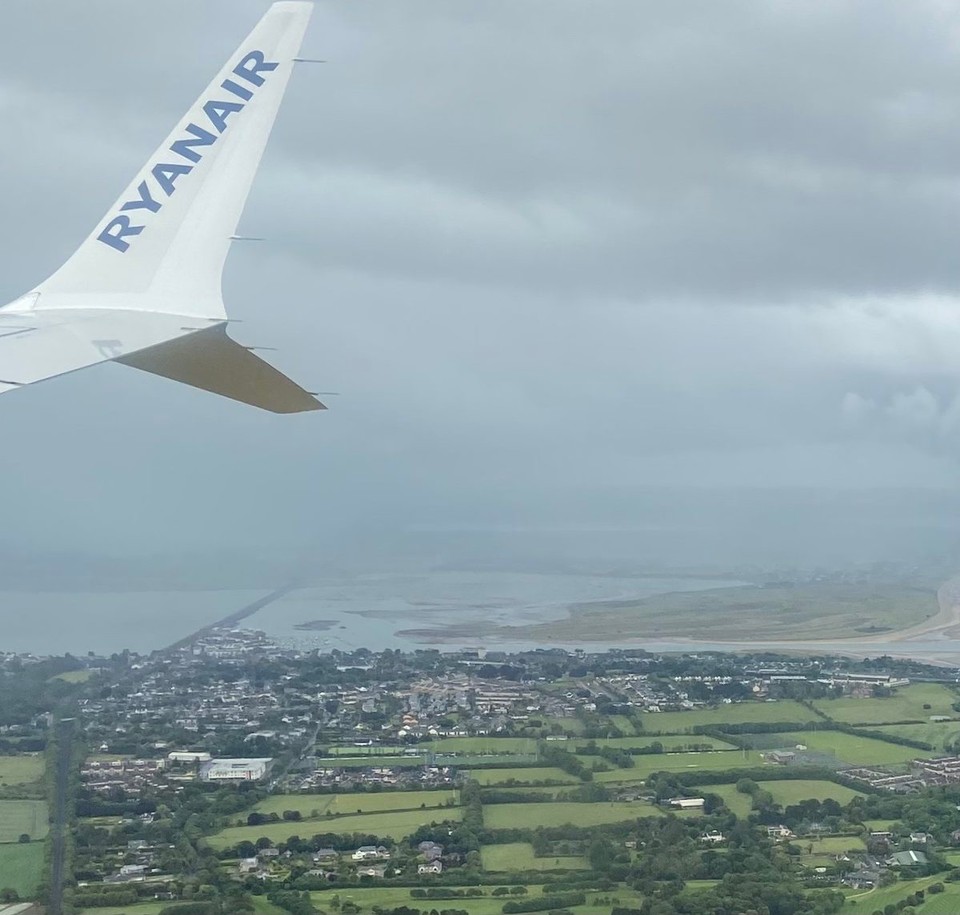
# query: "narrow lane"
(61, 806)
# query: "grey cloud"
(546, 251)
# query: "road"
(237, 616)
(61, 807)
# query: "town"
(232, 774)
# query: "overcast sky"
(544, 249)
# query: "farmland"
(681, 762)
(849, 748)
(395, 825)
(744, 712)
(936, 733)
(23, 818)
(918, 702)
(865, 903)
(792, 792)
(511, 816)
(519, 856)
(527, 774)
(316, 806)
(21, 867)
(20, 770)
(670, 743)
(487, 904)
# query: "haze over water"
(363, 611)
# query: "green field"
(935, 733)
(75, 676)
(527, 775)
(945, 903)
(792, 792)
(572, 726)
(623, 723)
(519, 856)
(392, 825)
(736, 802)
(850, 748)
(717, 760)
(675, 743)
(785, 793)
(737, 713)
(319, 806)
(561, 813)
(146, 908)
(21, 868)
(483, 746)
(391, 897)
(19, 817)
(907, 704)
(20, 770)
(832, 845)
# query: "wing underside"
(36, 346)
(210, 360)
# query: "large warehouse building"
(235, 770)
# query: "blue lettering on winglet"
(162, 177)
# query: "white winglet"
(150, 272)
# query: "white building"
(235, 770)
(188, 757)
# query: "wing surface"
(211, 361)
(37, 346)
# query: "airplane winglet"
(144, 288)
(210, 360)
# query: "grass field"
(560, 813)
(624, 723)
(676, 743)
(392, 897)
(935, 733)
(393, 825)
(75, 676)
(907, 704)
(864, 903)
(263, 906)
(365, 802)
(681, 762)
(21, 868)
(738, 713)
(20, 770)
(519, 856)
(146, 908)
(526, 775)
(850, 748)
(736, 802)
(573, 726)
(832, 845)
(792, 792)
(19, 817)
(483, 746)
